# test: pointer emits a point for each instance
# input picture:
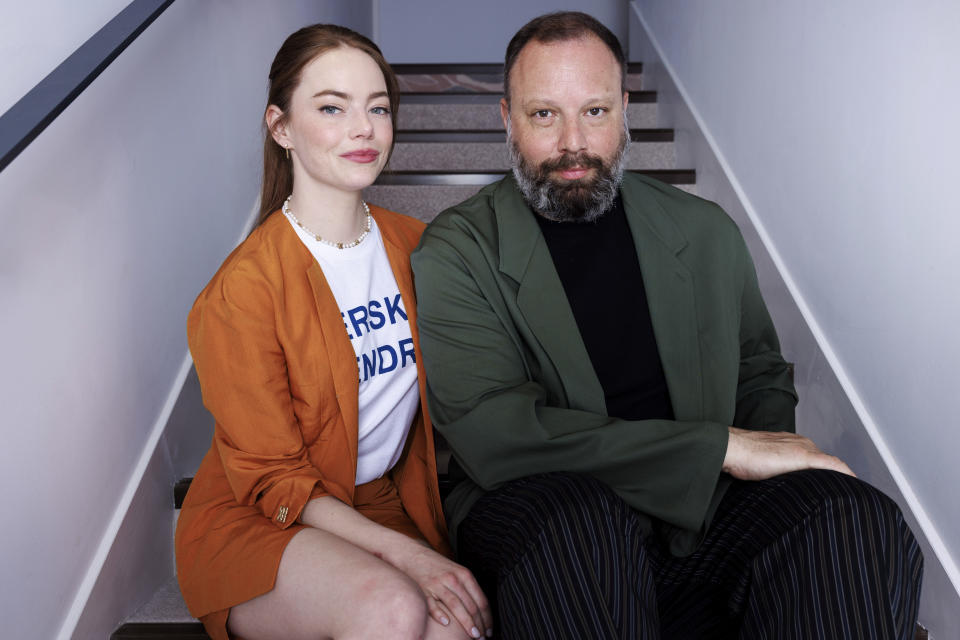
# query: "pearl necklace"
(316, 236)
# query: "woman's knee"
(327, 587)
(390, 604)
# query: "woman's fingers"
(462, 607)
(438, 611)
(451, 590)
(476, 593)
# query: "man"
(601, 362)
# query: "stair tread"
(469, 78)
(495, 156)
(500, 135)
(489, 96)
(157, 630)
(166, 605)
(470, 68)
(479, 177)
(453, 116)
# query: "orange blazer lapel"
(343, 360)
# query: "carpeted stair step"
(424, 194)
(164, 616)
(487, 150)
(468, 78)
(482, 111)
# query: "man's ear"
(504, 112)
(275, 125)
(626, 100)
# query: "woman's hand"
(451, 590)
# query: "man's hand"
(758, 455)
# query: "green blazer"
(512, 389)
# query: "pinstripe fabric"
(811, 554)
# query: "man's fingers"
(834, 463)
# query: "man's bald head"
(557, 27)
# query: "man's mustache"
(572, 160)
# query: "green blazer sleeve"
(766, 398)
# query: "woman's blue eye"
(329, 108)
(381, 111)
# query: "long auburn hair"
(297, 51)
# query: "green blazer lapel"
(525, 257)
(671, 297)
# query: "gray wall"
(115, 218)
(411, 31)
(835, 125)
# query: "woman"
(315, 513)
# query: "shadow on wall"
(189, 430)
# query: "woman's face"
(338, 127)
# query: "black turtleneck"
(598, 265)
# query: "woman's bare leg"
(329, 588)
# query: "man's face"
(566, 127)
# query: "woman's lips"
(364, 156)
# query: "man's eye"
(542, 113)
(596, 111)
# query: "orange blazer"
(280, 377)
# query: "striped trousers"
(805, 555)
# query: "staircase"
(451, 140)
(450, 143)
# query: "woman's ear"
(276, 126)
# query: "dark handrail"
(33, 112)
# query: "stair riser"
(425, 202)
(493, 156)
(487, 116)
(462, 82)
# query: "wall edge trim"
(109, 537)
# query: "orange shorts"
(378, 500)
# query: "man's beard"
(581, 200)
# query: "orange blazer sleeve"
(233, 339)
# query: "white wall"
(836, 123)
(31, 51)
(412, 31)
(114, 218)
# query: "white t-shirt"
(376, 322)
